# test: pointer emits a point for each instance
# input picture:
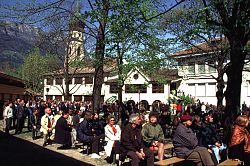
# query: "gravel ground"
(21, 150)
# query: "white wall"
(87, 89)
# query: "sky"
(3, 3)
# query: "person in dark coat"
(20, 117)
(35, 123)
(132, 143)
(87, 134)
(210, 138)
(186, 144)
(62, 131)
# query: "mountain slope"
(15, 42)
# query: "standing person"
(186, 144)
(153, 135)
(132, 145)
(8, 114)
(35, 123)
(4, 117)
(20, 117)
(62, 131)
(112, 136)
(179, 107)
(14, 119)
(47, 127)
(29, 113)
(239, 145)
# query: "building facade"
(198, 75)
(11, 88)
(137, 86)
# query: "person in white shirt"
(112, 136)
(47, 127)
(8, 115)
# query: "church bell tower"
(75, 48)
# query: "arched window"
(78, 51)
(69, 50)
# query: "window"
(58, 97)
(113, 88)
(181, 67)
(157, 88)
(49, 81)
(211, 89)
(78, 52)
(69, 50)
(201, 68)
(201, 90)
(247, 67)
(191, 89)
(87, 98)
(248, 88)
(88, 80)
(135, 88)
(49, 97)
(70, 97)
(191, 68)
(211, 69)
(78, 80)
(59, 81)
(78, 98)
(136, 76)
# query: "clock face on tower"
(135, 76)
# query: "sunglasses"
(112, 120)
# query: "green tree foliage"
(34, 67)
(110, 25)
(189, 27)
(231, 18)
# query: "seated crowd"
(138, 136)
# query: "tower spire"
(76, 26)
(76, 22)
(78, 7)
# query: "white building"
(137, 85)
(197, 76)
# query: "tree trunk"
(120, 84)
(98, 81)
(99, 58)
(233, 91)
(66, 76)
(98, 77)
(220, 84)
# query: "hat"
(184, 118)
